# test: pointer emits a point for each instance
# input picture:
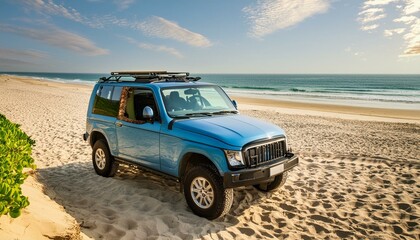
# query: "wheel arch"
(95, 136)
(191, 159)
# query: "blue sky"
(234, 36)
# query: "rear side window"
(107, 101)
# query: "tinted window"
(107, 101)
(116, 94)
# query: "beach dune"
(356, 178)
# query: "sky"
(228, 36)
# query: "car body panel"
(174, 149)
(105, 126)
(233, 129)
(139, 143)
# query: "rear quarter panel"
(106, 126)
(102, 124)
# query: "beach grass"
(15, 155)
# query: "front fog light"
(234, 158)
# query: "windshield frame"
(231, 109)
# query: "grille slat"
(258, 154)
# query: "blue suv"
(171, 124)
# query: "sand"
(357, 177)
(42, 219)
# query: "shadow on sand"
(135, 204)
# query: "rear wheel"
(205, 194)
(278, 181)
(103, 162)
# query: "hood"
(234, 130)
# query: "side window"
(133, 101)
(116, 94)
(107, 101)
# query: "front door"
(138, 137)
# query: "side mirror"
(148, 113)
(235, 104)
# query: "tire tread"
(111, 166)
(222, 206)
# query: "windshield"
(196, 101)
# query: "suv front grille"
(259, 153)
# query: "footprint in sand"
(129, 224)
(171, 221)
(112, 232)
(109, 214)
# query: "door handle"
(119, 124)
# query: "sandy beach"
(357, 177)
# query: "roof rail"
(150, 76)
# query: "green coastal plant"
(15, 155)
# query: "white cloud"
(371, 15)
(369, 3)
(123, 4)
(373, 12)
(49, 7)
(16, 54)
(163, 28)
(369, 27)
(57, 37)
(153, 47)
(412, 38)
(158, 27)
(106, 20)
(155, 26)
(391, 32)
(161, 48)
(13, 58)
(268, 16)
(13, 63)
(412, 7)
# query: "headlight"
(234, 158)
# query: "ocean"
(373, 90)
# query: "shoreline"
(289, 107)
(405, 115)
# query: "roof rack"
(150, 76)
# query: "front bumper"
(259, 174)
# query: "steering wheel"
(200, 101)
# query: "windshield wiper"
(179, 117)
(199, 114)
(208, 114)
(226, 111)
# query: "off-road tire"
(103, 162)
(222, 198)
(278, 182)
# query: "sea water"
(372, 90)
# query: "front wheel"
(278, 181)
(205, 194)
(103, 161)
